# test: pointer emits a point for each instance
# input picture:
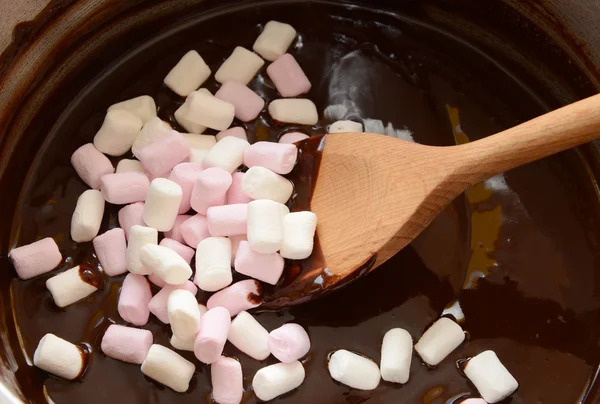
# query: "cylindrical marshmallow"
(275, 380)
(175, 232)
(126, 344)
(158, 304)
(294, 110)
(129, 165)
(246, 102)
(188, 74)
(169, 368)
(184, 175)
(184, 314)
(274, 40)
(134, 298)
(264, 267)
(166, 263)
(237, 131)
(235, 194)
(163, 154)
(277, 157)
(235, 243)
(153, 130)
(289, 343)
(345, 126)
(213, 264)
(443, 337)
(35, 259)
(211, 339)
(185, 118)
(87, 216)
(118, 132)
(240, 296)
(162, 204)
(227, 154)
(123, 188)
(194, 230)
(354, 370)
(111, 250)
(288, 77)
(292, 137)
(265, 225)
(139, 236)
(227, 381)
(227, 220)
(72, 285)
(242, 65)
(183, 344)
(156, 280)
(396, 356)
(59, 357)
(91, 165)
(262, 183)
(491, 378)
(210, 189)
(298, 235)
(185, 252)
(131, 215)
(206, 110)
(249, 336)
(143, 107)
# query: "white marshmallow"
(294, 110)
(213, 264)
(396, 355)
(275, 380)
(167, 264)
(87, 217)
(354, 370)
(143, 107)
(183, 344)
(443, 337)
(200, 145)
(241, 66)
(71, 286)
(139, 236)
(298, 235)
(118, 132)
(169, 368)
(59, 357)
(345, 126)
(227, 154)
(188, 74)
(182, 115)
(154, 129)
(455, 310)
(205, 110)
(162, 204)
(265, 225)
(249, 336)
(184, 314)
(129, 165)
(262, 183)
(275, 40)
(491, 378)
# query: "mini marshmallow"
(247, 103)
(188, 74)
(491, 378)
(35, 259)
(183, 344)
(474, 401)
(275, 380)
(211, 339)
(247, 335)
(204, 109)
(353, 370)
(235, 243)
(143, 107)
(227, 381)
(139, 236)
(289, 342)
(162, 204)
(175, 232)
(158, 304)
(169, 368)
(277, 157)
(185, 175)
(111, 250)
(128, 165)
(200, 146)
(87, 216)
(70, 286)
(396, 356)
(184, 117)
(292, 137)
(184, 314)
(241, 66)
(161, 156)
(288, 77)
(345, 126)
(210, 189)
(294, 110)
(118, 132)
(126, 344)
(240, 296)
(90, 164)
(59, 357)
(298, 235)
(124, 188)
(213, 264)
(165, 263)
(235, 194)
(443, 337)
(194, 230)
(275, 40)
(156, 280)
(265, 225)
(237, 131)
(153, 130)
(134, 298)
(264, 267)
(184, 251)
(131, 215)
(227, 154)
(227, 220)
(262, 183)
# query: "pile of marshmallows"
(240, 218)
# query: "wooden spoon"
(374, 194)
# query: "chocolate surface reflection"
(519, 252)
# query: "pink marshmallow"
(184, 175)
(227, 220)
(194, 230)
(288, 76)
(131, 215)
(264, 267)
(235, 244)
(36, 258)
(124, 188)
(156, 280)
(227, 381)
(211, 339)
(289, 343)
(134, 299)
(277, 157)
(111, 250)
(184, 251)
(126, 344)
(292, 137)
(247, 103)
(158, 304)
(235, 194)
(240, 296)
(160, 156)
(175, 232)
(238, 132)
(210, 189)
(90, 164)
